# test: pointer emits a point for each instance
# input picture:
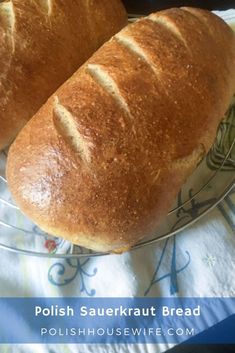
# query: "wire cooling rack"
(213, 179)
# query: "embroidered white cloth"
(200, 261)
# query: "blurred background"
(146, 6)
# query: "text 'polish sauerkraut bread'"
(42, 43)
(102, 161)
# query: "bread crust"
(102, 161)
(42, 43)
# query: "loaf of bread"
(42, 43)
(102, 161)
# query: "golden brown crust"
(42, 42)
(102, 161)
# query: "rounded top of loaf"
(102, 161)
